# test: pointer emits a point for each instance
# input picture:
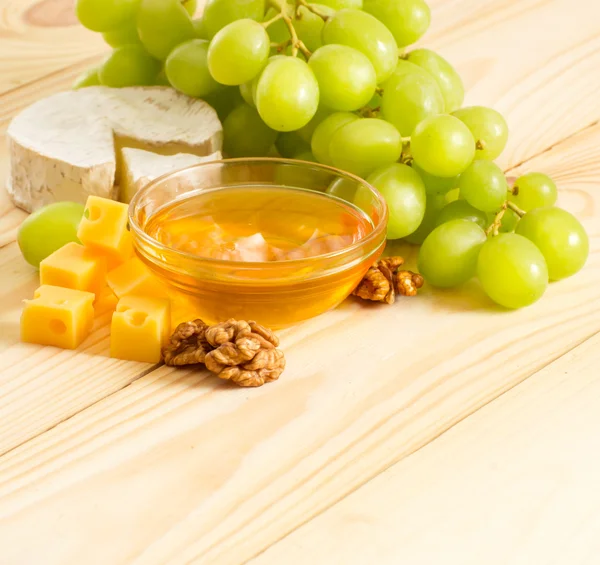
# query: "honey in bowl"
(259, 224)
(231, 240)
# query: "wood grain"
(30, 375)
(516, 482)
(178, 468)
(232, 471)
(40, 37)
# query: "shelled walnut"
(243, 352)
(385, 279)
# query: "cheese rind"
(133, 277)
(73, 266)
(103, 228)
(63, 147)
(60, 317)
(141, 167)
(139, 329)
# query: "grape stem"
(297, 45)
(272, 20)
(480, 145)
(366, 112)
(405, 140)
(515, 208)
(494, 228)
(310, 8)
(379, 91)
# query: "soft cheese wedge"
(68, 146)
(139, 167)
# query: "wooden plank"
(179, 468)
(516, 482)
(31, 375)
(39, 37)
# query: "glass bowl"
(274, 293)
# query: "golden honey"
(265, 251)
(258, 224)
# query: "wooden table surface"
(439, 430)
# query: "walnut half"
(384, 279)
(243, 352)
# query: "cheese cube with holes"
(74, 266)
(133, 277)
(139, 329)
(57, 316)
(103, 228)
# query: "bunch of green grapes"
(337, 82)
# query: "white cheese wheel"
(67, 146)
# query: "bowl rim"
(373, 235)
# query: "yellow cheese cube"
(139, 329)
(133, 277)
(57, 316)
(103, 228)
(74, 266)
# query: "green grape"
(483, 185)
(559, 236)
(362, 146)
(87, 78)
(105, 15)
(219, 13)
(443, 146)
(224, 101)
(534, 190)
(343, 4)
(404, 193)
(190, 5)
(346, 77)
(509, 221)
(444, 74)
(452, 195)
(187, 69)
(448, 256)
(129, 65)
(239, 52)
(512, 270)
(163, 25)
(200, 28)
(124, 35)
(436, 185)
(324, 132)
(410, 96)
(306, 133)
(305, 156)
(462, 210)
(435, 202)
(287, 94)
(366, 34)
(248, 91)
(489, 129)
(289, 144)
(408, 20)
(309, 26)
(48, 229)
(245, 134)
